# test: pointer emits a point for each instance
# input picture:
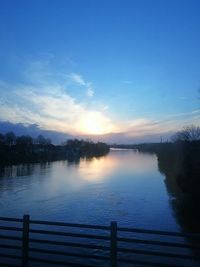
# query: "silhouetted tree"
(10, 139)
(24, 140)
(2, 139)
(40, 140)
(48, 141)
(24, 149)
(188, 134)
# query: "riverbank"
(32, 153)
(180, 160)
(180, 163)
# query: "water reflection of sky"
(122, 160)
(124, 186)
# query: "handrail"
(109, 244)
(145, 263)
(11, 228)
(64, 263)
(153, 242)
(158, 232)
(10, 246)
(68, 244)
(2, 264)
(156, 253)
(9, 256)
(11, 237)
(69, 234)
(78, 225)
(8, 219)
(50, 251)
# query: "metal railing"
(25, 242)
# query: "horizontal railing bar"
(146, 263)
(69, 234)
(10, 246)
(9, 228)
(156, 253)
(9, 256)
(49, 251)
(10, 237)
(153, 242)
(59, 262)
(10, 219)
(158, 232)
(125, 229)
(93, 247)
(60, 243)
(79, 225)
(2, 264)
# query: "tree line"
(21, 149)
(11, 139)
(179, 159)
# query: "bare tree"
(24, 140)
(189, 133)
(10, 138)
(2, 139)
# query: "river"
(124, 185)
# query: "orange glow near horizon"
(97, 169)
(95, 123)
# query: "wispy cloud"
(197, 111)
(53, 109)
(183, 98)
(171, 123)
(90, 92)
(48, 103)
(77, 78)
(127, 81)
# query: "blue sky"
(125, 68)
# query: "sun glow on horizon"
(95, 123)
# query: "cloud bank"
(44, 99)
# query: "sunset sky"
(125, 68)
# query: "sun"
(94, 123)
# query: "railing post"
(113, 244)
(25, 241)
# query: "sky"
(125, 70)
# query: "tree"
(10, 138)
(40, 140)
(2, 139)
(24, 140)
(188, 134)
(48, 141)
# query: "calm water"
(125, 186)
